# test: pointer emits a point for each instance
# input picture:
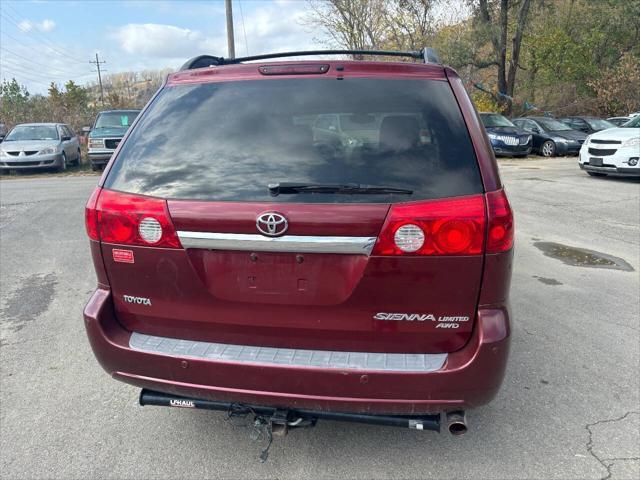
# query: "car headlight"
(563, 140)
(632, 142)
(96, 143)
(3, 153)
(492, 136)
(48, 151)
(586, 140)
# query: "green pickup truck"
(106, 134)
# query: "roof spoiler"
(427, 55)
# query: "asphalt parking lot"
(569, 407)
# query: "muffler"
(456, 422)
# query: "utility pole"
(230, 41)
(97, 63)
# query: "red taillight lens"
(450, 227)
(127, 219)
(500, 236)
(91, 215)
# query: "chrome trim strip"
(286, 243)
(388, 362)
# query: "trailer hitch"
(269, 421)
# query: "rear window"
(229, 141)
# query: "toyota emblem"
(271, 224)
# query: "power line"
(66, 72)
(62, 76)
(244, 31)
(22, 77)
(44, 76)
(32, 33)
(34, 47)
(42, 38)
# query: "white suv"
(615, 151)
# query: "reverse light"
(435, 227)
(127, 219)
(150, 230)
(409, 238)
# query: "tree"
(612, 88)
(506, 61)
(13, 100)
(410, 24)
(351, 24)
(568, 45)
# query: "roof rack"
(427, 55)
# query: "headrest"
(399, 132)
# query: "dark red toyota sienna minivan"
(305, 239)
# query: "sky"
(44, 41)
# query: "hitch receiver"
(291, 417)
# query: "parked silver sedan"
(40, 145)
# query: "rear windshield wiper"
(343, 188)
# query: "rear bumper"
(470, 377)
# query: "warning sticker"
(122, 256)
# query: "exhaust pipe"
(457, 422)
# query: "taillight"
(436, 227)
(91, 215)
(500, 235)
(127, 219)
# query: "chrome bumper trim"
(288, 357)
(287, 243)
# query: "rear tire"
(548, 149)
(596, 174)
(63, 164)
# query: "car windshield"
(495, 120)
(599, 124)
(553, 125)
(229, 141)
(32, 132)
(633, 123)
(115, 119)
